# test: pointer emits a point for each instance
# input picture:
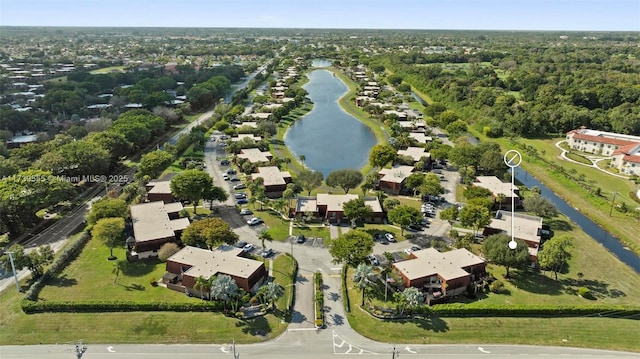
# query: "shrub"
(584, 292)
(497, 286)
(167, 250)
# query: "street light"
(612, 202)
(13, 267)
(513, 159)
(79, 350)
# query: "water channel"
(329, 138)
(611, 243)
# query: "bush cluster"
(93, 306)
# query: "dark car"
(242, 201)
(268, 252)
(231, 171)
(301, 239)
(225, 162)
(414, 228)
(235, 179)
(241, 244)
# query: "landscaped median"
(318, 299)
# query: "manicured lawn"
(106, 70)
(283, 272)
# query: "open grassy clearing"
(106, 70)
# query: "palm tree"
(302, 159)
(224, 288)
(413, 298)
(270, 292)
(201, 283)
(501, 197)
(265, 236)
(362, 277)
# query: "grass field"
(106, 70)
(92, 277)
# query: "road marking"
(110, 349)
(409, 350)
(224, 350)
(481, 349)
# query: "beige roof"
(307, 204)
(159, 187)
(224, 259)
(420, 137)
(374, 203)
(334, 202)
(250, 136)
(429, 262)
(254, 155)
(415, 152)
(396, 174)
(151, 220)
(495, 185)
(525, 226)
(272, 175)
(261, 115)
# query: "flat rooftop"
(224, 259)
(429, 262)
(414, 152)
(496, 186)
(525, 226)
(151, 220)
(254, 155)
(272, 175)
(396, 174)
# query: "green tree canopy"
(153, 163)
(351, 248)
(357, 210)
(555, 253)
(404, 215)
(475, 216)
(107, 207)
(191, 185)
(309, 180)
(345, 179)
(380, 155)
(496, 250)
(109, 231)
(540, 206)
(208, 233)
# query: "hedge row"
(319, 300)
(466, 310)
(30, 307)
(59, 264)
(345, 293)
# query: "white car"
(390, 237)
(254, 221)
(248, 248)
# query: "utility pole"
(235, 355)
(612, 202)
(13, 267)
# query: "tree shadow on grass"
(63, 281)
(430, 322)
(535, 283)
(132, 287)
(258, 326)
(557, 224)
(597, 288)
(151, 325)
(140, 268)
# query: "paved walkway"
(594, 161)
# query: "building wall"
(164, 197)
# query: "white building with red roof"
(624, 150)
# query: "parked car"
(408, 251)
(301, 239)
(235, 179)
(240, 186)
(255, 221)
(248, 248)
(231, 171)
(241, 244)
(245, 211)
(225, 177)
(225, 162)
(240, 195)
(390, 237)
(413, 228)
(242, 201)
(222, 145)
(377, 237)
(373, 260)
(267, 252)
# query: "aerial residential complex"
(624, 150)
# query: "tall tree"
(209, 233)
(540, 206)
(224, 289)
(362, 277)
(414, 181)
(413, 298)
(309, 180)
(356, 210)
(380, 155)
(191, 185)
(345, 179)
(351, 248)
(107, 208)
(153, 163)
(109, 230)
(403, 216)
(270, 293)
(475, 216)
(555, 253)
(496, 250)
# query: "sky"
(568, 15)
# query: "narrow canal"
(610, 242)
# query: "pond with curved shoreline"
(329, 138)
